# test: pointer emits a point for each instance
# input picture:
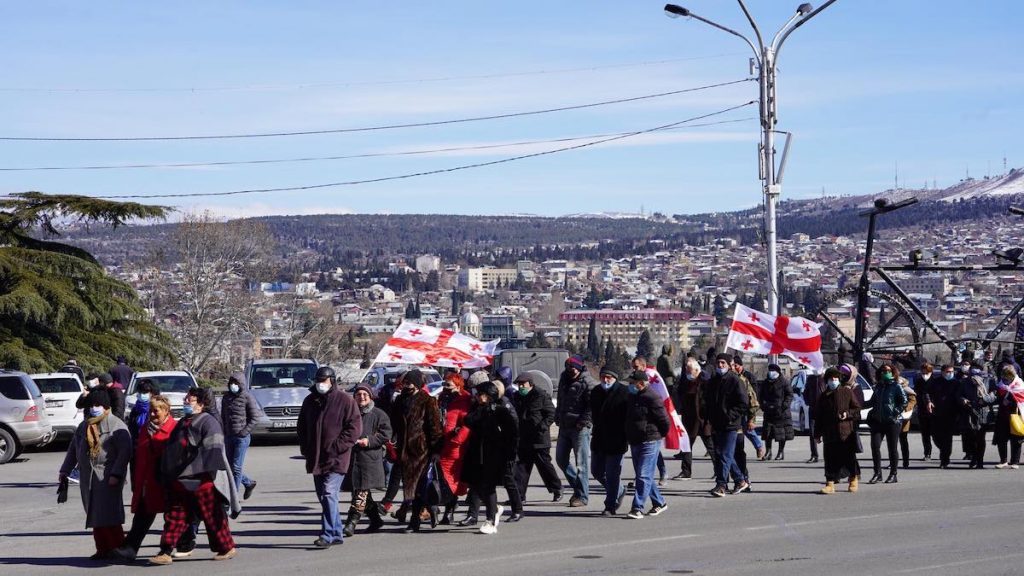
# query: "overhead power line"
(349, 156)
(372, 128)
(345, 84)
(429, 172)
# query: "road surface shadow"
(74, 562)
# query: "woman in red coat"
(454, 403)
(147, 492)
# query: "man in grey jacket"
(573, 416)
(239, 412)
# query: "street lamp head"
(673, 11)
(805, 9)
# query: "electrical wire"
(372, 128)
(428, 172)
(343, 84)
(350, 156)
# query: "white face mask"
(323, 387)
(773, 375)
(235, 388)
(926, 377)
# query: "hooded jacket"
(726, 403)
(646, 419)
(239, 412)
(329, 425)
(573, 409)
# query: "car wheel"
(8, 446)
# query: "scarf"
(143, 414)
(92, 434)
(366, 409)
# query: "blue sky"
(933, 85)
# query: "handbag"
(391, 451)
(1016, 424)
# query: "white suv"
(23, 419)
(61, 391)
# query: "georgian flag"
(755, 332)
(429, 346)
(676, 439)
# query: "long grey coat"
(103, 504)
(367, 470)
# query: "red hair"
(456, 379)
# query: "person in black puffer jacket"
(646, 426)
(238, 413)
(572, 414)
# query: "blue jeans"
(645, 460)
(328, 488)
(607, 470)
(754, 437)
(236, 448)
(577, 474)
(725, 446)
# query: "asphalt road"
(933, 521)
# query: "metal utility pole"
(765, 57)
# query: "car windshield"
(57, 385)
(282, 375)
(174, 383)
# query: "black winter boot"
(373, 512)
(351, 521)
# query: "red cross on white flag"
(430, 346)
(759, 333)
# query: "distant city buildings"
(624, 327)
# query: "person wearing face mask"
(148, 498)
(102, 448)
(329, 426)
(454, 403)
(572, 414)
(490, 450)
(1010, 398)
(776, 396)
(974, 402)
(941, 398)
(197, 478)
(239, 413)
(908, 411)
(887, 404)
(367, 469)
(646, 426)
(608, 444)
(536, 414)
(925, 407)
(688, 393)
(966, 441)
(417, 425)
(726, 405)
(136, 419)
(836, 417)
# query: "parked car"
(279, 387)
(800, 412)
(60, 391)
(173, 385)
(23, 418)
(550, 361)
(381, 375)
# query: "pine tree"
(719, 308)
(57, 302)
(644, 346)
(593, 340)
(609, 351)
(410, 310)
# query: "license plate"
(284, 424)
(54, 403)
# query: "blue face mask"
(607, 385)
(143, 397)
(633, 389)
(187, 410)
(948, 376)
(723, 371)
(690, 377)
(773, 375)
(833, 384)
(95, 411)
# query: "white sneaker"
(1002, 465)
(1014, 466)
(497, 516)
(635, 514)
(488, 528)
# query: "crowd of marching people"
(486, 431)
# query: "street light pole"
(765, 57)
